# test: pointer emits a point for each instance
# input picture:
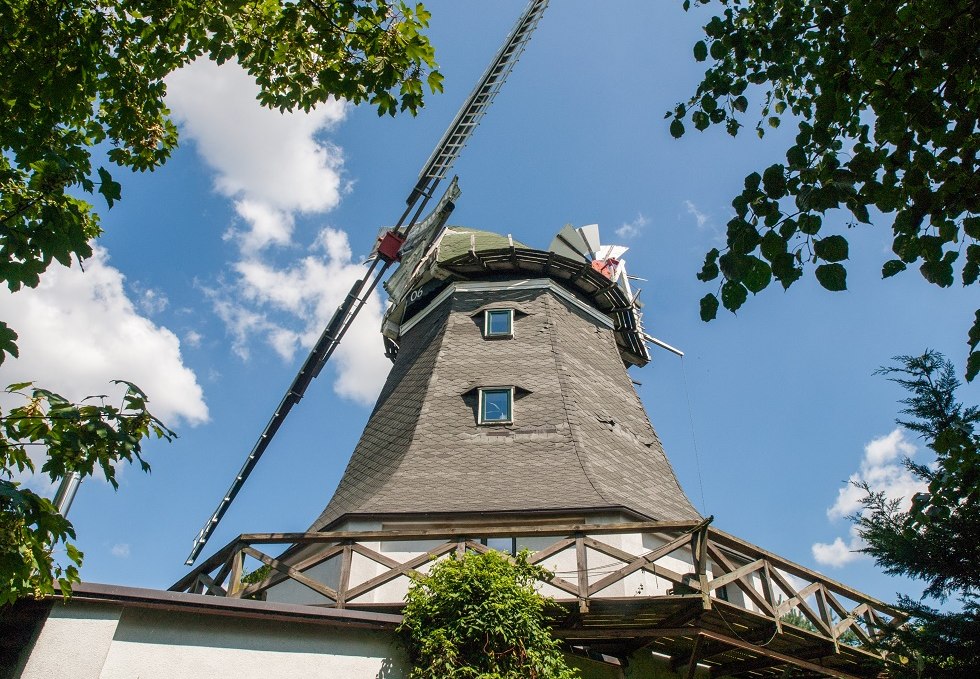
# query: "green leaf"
(772, 245)
(8, 343)
(740, 104)
(710, 269)
(831, 248)
(733, 295)
(709, 307)
(833, 277)
(676, 128)
(796, 156)
(774, 181)
(700, 50)
(758, 276)
(972, 365)
(892, 267)
(110, 190)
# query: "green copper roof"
(458, 240)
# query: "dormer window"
(496, 405)
(498, 323)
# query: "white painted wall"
(96, 641)
(73, 643)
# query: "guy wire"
(694, 439)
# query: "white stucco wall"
(73, 643)
(96, 641)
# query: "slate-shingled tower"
(508, 422)
(577, 441)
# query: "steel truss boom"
(435, 169)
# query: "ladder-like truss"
(441, 160)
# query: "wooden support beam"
(401, 569)
(740, 666)
(627, 557)
(769, 653)
(377, 557)
(824, 610)
(690, 611)
(727, 540)
(634, 563)
(798, 600)
(211, 586)
(653, 527)
(738, 576)
(212, 562)
(692, 663)
(293, 574)
(551, 550)
(235, 577)
(342, 586)
(699, 548)
(582, 566)
(301, 566)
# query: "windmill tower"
(509, 395)
(508, 421)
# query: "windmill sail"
(435, 169)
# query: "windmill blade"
(321, 352)
(569, 243)
(611, 252)
(590, 235)
(476, 105)
(435, 169)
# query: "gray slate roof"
(580, 439)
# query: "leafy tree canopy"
(886, 97)
(84, 73)
(479, 615)
(75, 438)
(937, 539)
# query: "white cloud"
(271, 157)
(701, 218)
(289, 307)
(150, 301)
(634, 228)
(79, 330)
(275, 166)
(192, 338)
(120, 550)
(882, 468)
(839, 553)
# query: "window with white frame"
(498, 323)
(496, 405)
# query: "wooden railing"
(770, 586)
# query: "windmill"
(409, 236)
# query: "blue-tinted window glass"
(496, 405)
(498, 322)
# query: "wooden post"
(692, 666)
(345, 561)
(824, 610)
(770, 595)
(235, 577)
(699, 549)
(582, 566)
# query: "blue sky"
(216, 273)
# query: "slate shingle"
(580, 439)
